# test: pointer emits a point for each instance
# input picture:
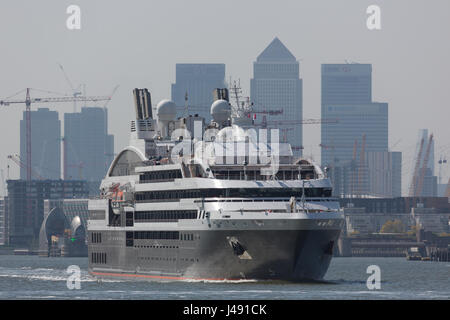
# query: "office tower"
(198, 81)
(361, 129)
(45, 144)
(346, 84)
(26, 206)
(384, 171)
(276, 87)
(353, 122)
(88, 146)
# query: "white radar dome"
(166, 110)
(220, 111)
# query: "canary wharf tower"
(277, 88)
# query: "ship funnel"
(143, 104)
(221, 94)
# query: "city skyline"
(407, 75)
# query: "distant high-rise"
(276, 86)
(385, 174)
(198, 81)
(45, 144)
(345, 84)
(25, 210)
(353, 121)
(89, 147)
(347, 97)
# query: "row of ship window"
(167, 175)
(165, 215)
(98, 257)
(157, 247)
(96, 237)
(170, 175)
(163, 235)
(235, 193)
(168, 259)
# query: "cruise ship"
(189, 200)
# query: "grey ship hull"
(291, 255)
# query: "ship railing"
(281, 199)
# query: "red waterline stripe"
(158, 277)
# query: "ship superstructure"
(190, 200)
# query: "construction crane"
(284, 133)
(28, 101)
(354, 167)
(16, 159)
(424, 168)
(80, 167)
(110, 96)
(415, 177)
(269, 112)
(277, 123)
(75, 91)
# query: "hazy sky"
(136, 43)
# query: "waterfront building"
(26, 206)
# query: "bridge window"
(125, 164)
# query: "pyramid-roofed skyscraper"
(276, 86)
(276, 51)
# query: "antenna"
(75, 92)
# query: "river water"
(33, 277)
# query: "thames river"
(33, 277)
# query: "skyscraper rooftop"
(276, 51)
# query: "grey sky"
(137, 44)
